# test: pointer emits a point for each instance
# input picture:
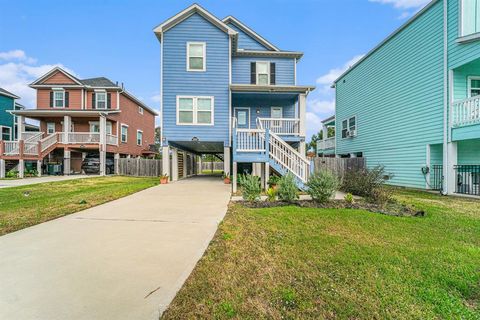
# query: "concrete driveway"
(122, 260)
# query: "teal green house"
(412, 104)
(7, 120)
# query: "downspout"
(445, 99)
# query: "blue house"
(226, 90)
(7, 120)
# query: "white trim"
(249, 115)
(54, 130)
(9, 133)
(271, 112)
(257, 73)
(55, 91)
(461, 35)
(118, 100)
(123, 125)
(204, 56)
(469, 85)
(136, 138)
(195, 110)
(348, 127)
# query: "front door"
(243, 118)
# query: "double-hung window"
(470, 17)
(140, 110)
(50, 127)
(139, 137)
(349, 127)
(6, 133)
(473, 86)
(58, 98)
(263, 73)
(196, 56)
(124, 133)
(195, 110)
(100, 100)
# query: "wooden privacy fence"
(139, 167)
(339, 165)
(212, 166)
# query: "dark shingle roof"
(6, 93)
(99, 82)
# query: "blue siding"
(6, 119)
(284, 69)
(245, 41)
(213, 82)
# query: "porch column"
(103, 145)
(67, 125)
(302, 113)
(116, 163)
(450, 167)
(185, 164)
(262, 175)
(200, 164)
(66, 162)
(174, 164)
(20, 127)
(267, 175)
(226, 160)
(39, 168)
(2, 168)
(166, 160)
(21, 168)
(234, 181)
(325, 132)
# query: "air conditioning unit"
(352, 133)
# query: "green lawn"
(303, 263)
(21, 207)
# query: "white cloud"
(332, 75)
(404, 4)
(17, 71)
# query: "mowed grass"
(303, 263)
(21, 207)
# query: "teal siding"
(468, 152)
(436, 154)
(397, 95)
(284, 69)
(245, 41)
(460, 79)
(6, 119)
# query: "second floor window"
(474, 86)
(139, 137)
(100, 100)
(349, 127)
(263, 73)
(140, 110)
(470, 17)
(124, 133)
(195, 110)
(196, 56)
(59, 99)
(6, 133)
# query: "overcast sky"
(114, 38)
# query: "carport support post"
(226, 161)
(2, 168)
(174, 164)
(234, 182)
(103, 144)
(66, 162)
(185, 164)
(267, 174)
(116, 163)
(166, 160)
(262, 175)
(39, 168)
(21, 168)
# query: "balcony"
(86, 138)
(280, 126)
(466, 112)
(326, 144)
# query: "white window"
(140, 110)
(470, 17)
(50, 127)
(95, 127)
(196, 56)
(349, 127)
(59, 99)
(242, 117)
(276, 112)
(124, 133)
(263, 73)
(473, 86)
(100, 100)
(139, 137)
(6, 133)
(195, 110)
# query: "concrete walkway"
(122, 260)
(35, 180)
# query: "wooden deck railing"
(328, 143)
(466, 112)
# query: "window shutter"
(67, 99)
(272, 73)
(93, 100)
(253, 73)
(51, 99)
(109, 100)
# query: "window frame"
(204, 56)
(461, 31)
(195, 111)
(140, 110)
(141, 139)
(107, 125)
(349, 127)
(96, 93)
(258, 73)
(277, 123)
(9, 133)
(123, 125)
(469, 85)
(55, 91)
(54, 129)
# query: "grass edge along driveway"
(305, 263)
(25, 206)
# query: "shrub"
(368, 183)
(12, 174)
(250, 186)
(287, 189)
(348, 198)
(273, 181)
(382, 195)
(322, 185)
(271, 194)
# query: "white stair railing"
(30, 148)
(12, 148)
(48, 141)
(250, 140)
(288, 158)
(466, 112)
(32, 136)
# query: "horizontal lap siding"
(245, 41)
(468, 152)
(213, 82)
(397, 96)
(284, 69)
(6, 119)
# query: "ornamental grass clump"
(287, 189)
(250, 186)
(322, 185)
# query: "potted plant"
(273, 181)
(227, 179)
(164, 179)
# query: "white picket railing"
(30, 148)
(49, 141)
(328, 143)
(111, 139)
(250, 140)
(466, 112)
(280, 126)
(11, 148)
(32, 136)
(79, 137)
(288, 158)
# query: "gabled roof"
(250, 32)
(4, 92)
(51, 72)
(329, 119)
(194, 8)
(99, 82)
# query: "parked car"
(91, 164)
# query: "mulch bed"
(391, 209)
